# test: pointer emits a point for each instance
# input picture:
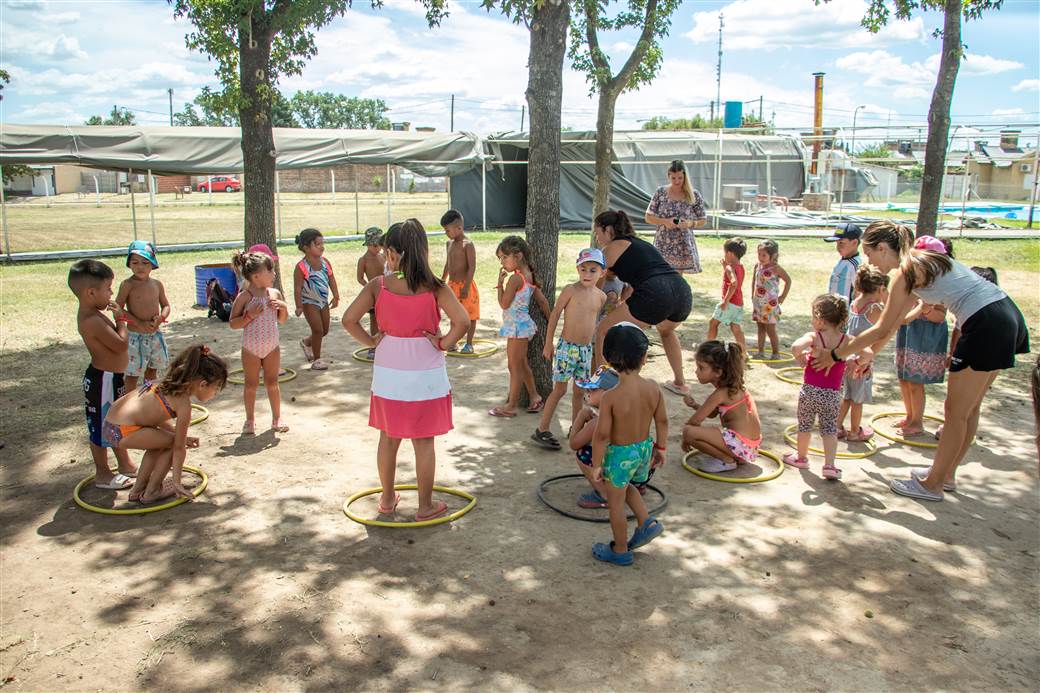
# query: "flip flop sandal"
(534, 409)
(439, 508)
(308, 353)
(675, 389)
(545, 439)
(921, 473)
(912, 488)
(591, 500)
(830, 472)
(501, 413)
(119, 482)
(278, 427)
(390, 511)
(645, 533)
(606, 553)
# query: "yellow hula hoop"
(203, 413)
(484, 353)
(904, 441)
(362, 355)
(196, 492)
(790, 357)
(409, 487)
(736, 479)
(781, 373)
(871, 446)
(285, 376)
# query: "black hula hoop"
(567, 513)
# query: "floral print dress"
(765, 295)
(677, 246)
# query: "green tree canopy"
(118, 116)
(327, 110)
(697, 122)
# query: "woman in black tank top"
(660, 296)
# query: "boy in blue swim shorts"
(580, 304)
(622, 449)
(147, 308)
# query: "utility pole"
(760, 112)
(170, 93)
(718, 72)
(523, 112)
(452, 128)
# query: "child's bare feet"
(248, 428)
(279, 427)
(775, 356)
(167, 490)
(899, 424)
(912, 430)
(690, 402)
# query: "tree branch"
(591, 25)
(642, 46)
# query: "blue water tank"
(224, 273)
(734, 113)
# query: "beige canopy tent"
(199, 150)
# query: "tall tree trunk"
(939, 120)
(258, 150)
(544, 100)
(604, 149)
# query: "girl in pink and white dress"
(411, 395)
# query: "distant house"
(60, 179)
(1005, 172)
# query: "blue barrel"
(734, 113)
(224, 274)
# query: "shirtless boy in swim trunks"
(622, 449)
(106, 341)
(147, 308)
(459, 268)
(369, 266)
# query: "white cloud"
(772, 24)
(65, 48)
(1007, 111)
(1027, 85)
(915, 80)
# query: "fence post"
(151, 206)
(133, 203)
(209, 190)
(97, 193)
(3, 215)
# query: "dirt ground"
(263, 584)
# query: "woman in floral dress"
(677, 209)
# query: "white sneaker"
(712, 465)
(319, 365)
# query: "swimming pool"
(1003, 211)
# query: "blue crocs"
(645, 533)
(606, 553)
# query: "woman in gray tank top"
(990, 321)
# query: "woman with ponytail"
(411, 395)
(660, 296)
(993, 332)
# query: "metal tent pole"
(332, 172)
(1036, 181)
(357, 201)
(769, 182)
(151, 205)
(209, 190)
(717, 191)
(133, 203)
(278, 206)
(483, 195)
(3, 215)
(389, 199)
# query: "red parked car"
(221, 183)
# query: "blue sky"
(71, 59)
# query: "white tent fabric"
(200, 150)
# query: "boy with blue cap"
(147, 308)
(580, 304)
(843, 276)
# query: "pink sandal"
(830, 472)
(792, 459)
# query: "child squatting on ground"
(580, 304)
(411, 395)
(312, 282)
(372, 265)
(730, 311)
(143, 300)
(858, 384)
(106, 340)
(459, 268)
(141, 420)
(258, 311)
(737, 441)
(820, 396)
(517, 286)
(622, 449)
(766, 297)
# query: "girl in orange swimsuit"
(155, 418)
(736, 442)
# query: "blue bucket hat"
(145, 250)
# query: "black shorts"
(100, 390)
(667, 297)
(991, 337)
